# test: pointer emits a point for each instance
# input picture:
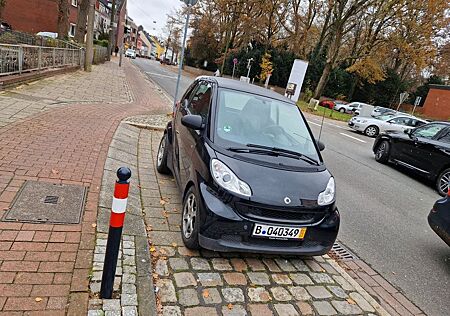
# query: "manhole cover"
(40, 202)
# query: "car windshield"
(244, 118)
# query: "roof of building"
(439, 87)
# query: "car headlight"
(327, 197)
(228, 180)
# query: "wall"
(437, 103)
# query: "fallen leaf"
(162, 202)
(350, 301)
(54, 171)
(205, 293)
(152, 249)
(94, 225)
(174, 244)
(38, 299)
(230, 306)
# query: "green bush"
(103, 43)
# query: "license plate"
(278, 232)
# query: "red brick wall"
(437, 104)
(34, 16)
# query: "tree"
(266, 67)
(80, 31)
(63, 19)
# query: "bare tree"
(63, 18)
(83, 8)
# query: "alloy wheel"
(162, 147)
(380, 151)
(371, 131)
(444, 182)
(189, 215)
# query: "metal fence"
(16, 59)
(17, 38)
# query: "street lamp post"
(189, 4)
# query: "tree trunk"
(353, 86)
(323, 80)
(63, 19)
(83, 8)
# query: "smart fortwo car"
(250, 172)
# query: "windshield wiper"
(286, 153)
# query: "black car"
(250, 171)
(424, 150)
(439, 219)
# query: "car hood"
(271, 186)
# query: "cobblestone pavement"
(45, 268)
(54, 92)
(191, 283)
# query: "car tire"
(382, 152)
(441, 182)
(190, 219)
(342, 110)
(371, 131)
(161, 158)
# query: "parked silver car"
(372, 126)
(349, 107)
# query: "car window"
(445, 136)
(401, 121)
(200, 99)
(428, 131)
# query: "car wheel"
(371, 131)
(190, 220)
(442, 182)
(382, 152)
(342, 110)
(161, 158)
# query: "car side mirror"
(194, 122)
(320, 145)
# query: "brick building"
(437, 103)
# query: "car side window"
(445, 136)
(200, 99)
(428, 131)
(401, 121)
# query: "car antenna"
(321, 125)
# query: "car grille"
(272, 242)
(280, 215)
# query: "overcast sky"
(144, 12)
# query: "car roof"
(246, 87)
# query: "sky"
(144, 12)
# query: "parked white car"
(372, 126)
(130, 53)
(349, 107)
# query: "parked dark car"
(439, 219)
(425, 150)
(249, 170)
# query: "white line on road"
(314, 123)
(352, 137)
(161, 75)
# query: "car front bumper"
(357, 126)
(223, 229)
(436, 223)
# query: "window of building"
(75, 3)
(72, 29)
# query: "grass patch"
(332, 114)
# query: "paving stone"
(239, 265)
(188, 252)
(258, 294)
(345, 308)
(281, 279)
(260, 310)
(319, 258)
(129, 252)
(221, 264)
(321, 278)
(285, 309)
(178, 264)
(232, 295)
(128, 288)
(359, 299)
(305, 308)
(129, 299)
(318, 292)
(337, 291)
(255, 264)
(235, 278)
(200, 264)
(324, 308)
(271, 265)
(235, 310)
(128, 244)
(299, 293)
(196, 311)
(166, 290)
(285, 265)
(301, 279)
(95, 287)
(343, 282)
(95, 304)
(171, 311)
(129, 311)
(209, 279)
(111, 305)
(95, 313)
(259, 278)
(161, 267)
(166, 251)
(300, 265)
(113, 313)
(129, 260)
(184, 279)
(188, 297)
(211, 296)
(128, 278)
(280, 294)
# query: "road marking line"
(314, 123)
(161, 75)
(352, 137)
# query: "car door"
(397, 124)
(198, 104)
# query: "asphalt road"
(383, 208)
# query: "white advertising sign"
(297, 76)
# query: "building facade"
(437, 103)
(102, 18)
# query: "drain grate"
(39, 202)
(341, 253)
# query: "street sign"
(403, 97)
(235, 61)
(417, 102)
